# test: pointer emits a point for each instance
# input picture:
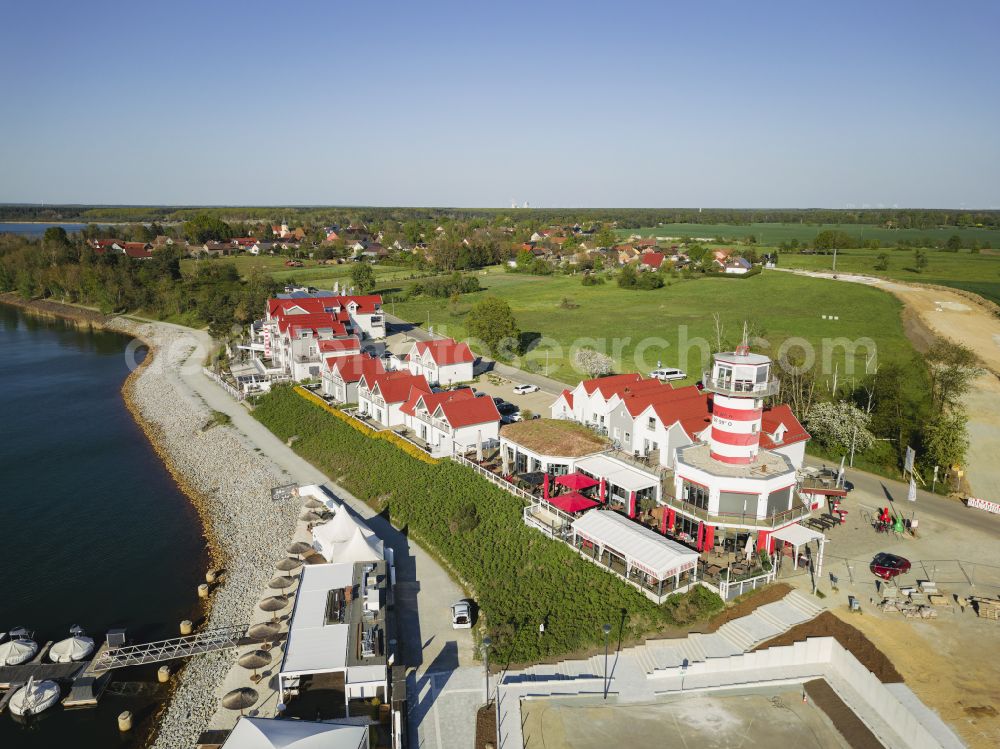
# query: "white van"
(667, 374)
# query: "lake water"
(35, 230)
(95, 531)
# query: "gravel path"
(230, 482)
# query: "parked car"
(461, 614)
(525, 388)
(498, 400)
(665, 375)
(510, 417)
(888, 566)
(506, 409)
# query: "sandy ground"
(952, 673)
(755, 718)
(958, 318)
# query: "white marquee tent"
(268, 733)
(640, 547)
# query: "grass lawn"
(312, 272)
(962, 270)
(774, 234)
(518, 576)
(647, 326)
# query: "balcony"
(739, 387)
(797, 512)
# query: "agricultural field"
(517, 575)
(775, 234)
(640, 328)
(978, 273)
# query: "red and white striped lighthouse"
(740, 381)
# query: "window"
(651, 423)
(617, 432)
(695, 495)
(762, 373)
(628, 437)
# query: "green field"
(775, 234)
(312, 272)
(780, 305)
(962, 270)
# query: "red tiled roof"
(467, 412)
(313, 321)
(139, 252)
(608, 386)
(351, 343)
(433, 400)
(446, 351)
(396, 387)
(775, 416)
(355, 366)
(568, 397)
(366, 304)
(653, 259)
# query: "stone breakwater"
(229, 483)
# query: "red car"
(888, 566)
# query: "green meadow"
(973, 272)
(774, 234)
(664, 324)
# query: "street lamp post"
(607, 631)
(486, 660)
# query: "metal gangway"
(206, 641)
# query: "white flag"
(912, 494)
(910, 455)
(840, 473)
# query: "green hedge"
(520, 577)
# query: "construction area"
(753, 717)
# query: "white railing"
(498, 480)
(729, 590)
(220, 381)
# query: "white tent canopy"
(620, 474)
(363, 546)
(337, 531)
(798, 536)
(268, 733)
(641, 547)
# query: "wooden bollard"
(187, 626)
(210, 577)
(163, 674)
(125, 721)
(203, 590)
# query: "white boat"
(75, 648)
(34, 697)
(19, 649)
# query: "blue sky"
(473, 104)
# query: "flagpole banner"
(912, 494)
(910, 455)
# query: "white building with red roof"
(381, 396)
(301, 330)
(341, 375)
(452, 421)
(443, 361)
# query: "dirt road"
(973, 322)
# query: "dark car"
(888, 566)
(507, 409)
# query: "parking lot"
(500, 386)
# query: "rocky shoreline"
(229, 484)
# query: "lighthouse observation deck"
(736, 387)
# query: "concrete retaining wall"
(893, 721)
